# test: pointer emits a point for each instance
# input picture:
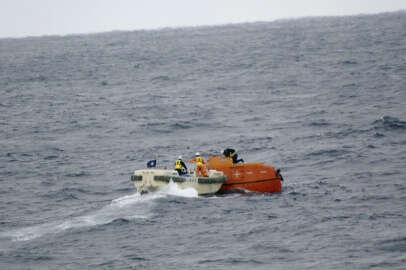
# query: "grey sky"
(49, 17)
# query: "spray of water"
(174, 190)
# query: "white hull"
(154, 179)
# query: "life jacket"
(178, 164)
(228, 152)
(199, 161)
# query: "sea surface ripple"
(324, 99)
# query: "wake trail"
(135, 206)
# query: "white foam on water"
(32, 232)
(174, 190)
(127, 207)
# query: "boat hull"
(252, 176)
(155, 179)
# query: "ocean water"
(324, 99)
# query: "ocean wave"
(335, 218)
(349, 62)
(253, 119)
(397, 245)
(169, 127)
(253, 143)
(66, 193)
(161, 78)
(20, 157)
(320, 123)
(328, 153)
(232, 261)
(77, 174)
(346, 132)
(389, 123)
(118, 222)
(295, 195)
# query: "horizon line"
(179, 27)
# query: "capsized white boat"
(154, 179)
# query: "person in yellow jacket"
(180, 166)
(200, 170)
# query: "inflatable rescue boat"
(252, 176)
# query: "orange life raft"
(253, 176)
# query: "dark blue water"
(324, 99)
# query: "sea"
(321, 98)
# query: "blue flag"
(151, 164)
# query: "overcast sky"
(20, 18)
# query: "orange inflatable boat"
(253, 176)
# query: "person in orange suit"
(200, 170)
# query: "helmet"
(179, 157)
(197, 154)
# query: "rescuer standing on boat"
(200, 170)
(180, 166)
